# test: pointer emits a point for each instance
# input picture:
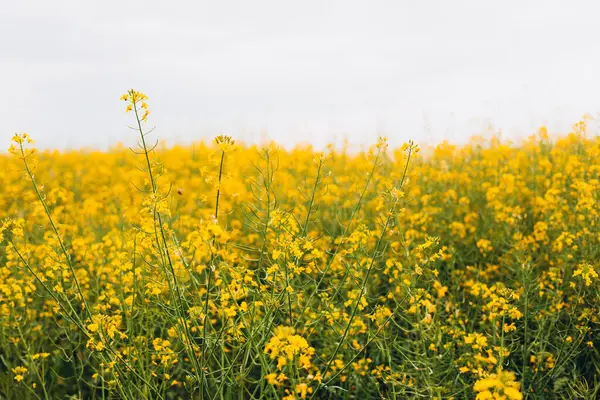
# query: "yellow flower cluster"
(286, 346)
(136, 101)
(500, 386)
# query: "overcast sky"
(302, 71)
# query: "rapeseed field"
(228, 271)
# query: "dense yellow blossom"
(500, 386)
(255, 271)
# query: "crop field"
(230, 271)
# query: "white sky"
(302, 71)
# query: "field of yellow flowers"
(224, 271)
